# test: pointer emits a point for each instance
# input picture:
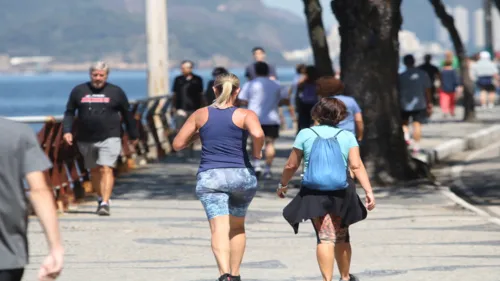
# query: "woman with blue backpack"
(328, 194)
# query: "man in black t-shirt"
(187, 95)
(433, 73)
(100, 106)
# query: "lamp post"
(157, 74)
(157, 47)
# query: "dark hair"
(188, 61)
(329, 86)
(312, 74)
(329, 111)
(300, 68)
(255, 49)
(218, 71)
(261, 68)
(428, 58)
(409, 60)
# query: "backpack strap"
(341, 130)
(314, 131)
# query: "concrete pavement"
(475, 176)
(444, 137)
(158, 231)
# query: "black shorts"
(487, 88)
(419, 116)
(11, 274)
(271, 131)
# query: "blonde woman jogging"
(328, 194)
(226, 182)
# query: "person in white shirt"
(263, 95)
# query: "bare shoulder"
(244, 113)
(201, 116)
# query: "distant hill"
(201, 30)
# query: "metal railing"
(68, 176)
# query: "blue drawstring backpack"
(326, 170)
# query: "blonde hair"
(225, 84)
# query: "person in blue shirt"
(329, 86)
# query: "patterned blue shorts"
(226, 191)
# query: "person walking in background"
(307, 97)
(332, 206)
(329, 86)
(23, 159)
(226, 181)
(263, 96)
(450, 84)
(100, 106)
(485, 74)
(415, 100)
(450, 56)
(187, 96)
(259, 55)
(433, 73)
(209, 92)
(293, 91)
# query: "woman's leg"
(325, 234)
(238, 242)
(482, 96)
(243, 187)
(343, 251)
(219, 227)
(216, 204)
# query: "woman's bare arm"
(291, 166)
(357, 167)
(187, 134)
(254, 128)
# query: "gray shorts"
(102, 153)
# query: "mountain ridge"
(219, 31)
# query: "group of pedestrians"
(422, 87)
(227, 178)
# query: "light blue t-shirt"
(305, 139)
(263, 96)
(352, 109)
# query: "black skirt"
(309, 204)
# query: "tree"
(449, 23)
(497, 3)
(369, 60)
(319, 45)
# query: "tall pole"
(488, 26)
(157, 44)
(157, 41)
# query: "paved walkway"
(440, 130)
(158, 231)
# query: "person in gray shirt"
(415, 100)
(23, 159)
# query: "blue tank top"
(223, 144)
